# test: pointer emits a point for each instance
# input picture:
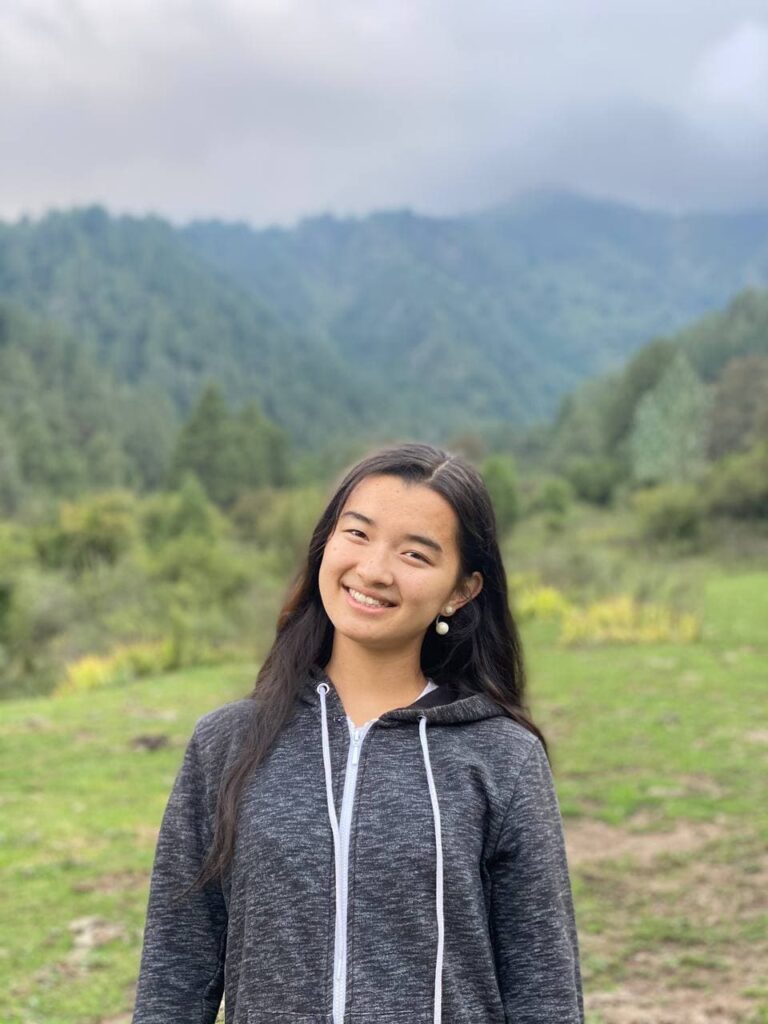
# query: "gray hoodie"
(408, 871)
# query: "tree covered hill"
(393, 324)
(496, 315)
(144, 307)
(66, 424)
(680, 405)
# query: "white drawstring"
(322, 689)
(439, 872)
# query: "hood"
(450, 704)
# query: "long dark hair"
(481, 653)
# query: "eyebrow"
(418, 538)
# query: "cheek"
(433, 591)
(332, 562)
(424, 592)
(336, 549)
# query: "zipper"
(356, 736)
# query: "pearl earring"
(443, 627)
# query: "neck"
(373, 680)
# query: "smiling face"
(392, 564)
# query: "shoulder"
(221, 730)
(510, 739)
(227, 716)
(510, 754)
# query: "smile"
(364, 601)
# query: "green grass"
(642, 739)
(629, 720)
(649, 738)
(81, 806)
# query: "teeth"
(364, 599)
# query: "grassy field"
(664, 760)
(660, 756)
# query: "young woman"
(373, 835)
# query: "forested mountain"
(492, 316)
(679, 404)
(68, 427)
(390, 325)
(66, 424)
(142, 305)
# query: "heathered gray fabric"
(267, 934)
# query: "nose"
(374, 568)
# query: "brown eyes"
(418, 554)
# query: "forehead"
(396, 504)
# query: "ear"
(467, 591)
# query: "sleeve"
(181, 977)
(532, 921)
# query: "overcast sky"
(269, 110)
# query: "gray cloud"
(271, 109)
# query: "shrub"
(498, 472)
(544, 603)
(208, 574)
(670, 512)
(593, 480)
(130, 662)
(100, 528)
(90, 673)
(553, 495)
(738, 486)
(16, 554)
(39, 609)
(623, 620)
(16, 548)
(178, 513)
(283, 521)
(532, 601)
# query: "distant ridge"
(499, 312)
(387, 325)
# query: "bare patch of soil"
(147, 835)
(633, 1005)
(118, 881)
(716, 890)
(711, 893)
(88, 933)
(157, 714)
(595, 840)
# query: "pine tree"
(205, 447)
(498, 472)
(229, 453)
